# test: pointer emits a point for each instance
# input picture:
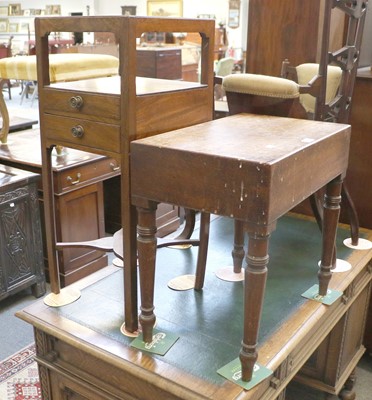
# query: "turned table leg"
(331, 206)
(255, 281)
(146, 245)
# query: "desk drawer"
(96, 107)
(82, 175)
(82, 134)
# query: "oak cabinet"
(21, 255)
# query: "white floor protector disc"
(183, 282)
(228, 274)
(118, 262)
(66, 296)
(363, 244)
(341, 266)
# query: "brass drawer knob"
(77, 131)
(76, 102)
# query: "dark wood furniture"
(359, 169)
(79, 196)
(6, 51)
(87, 196)
(55, 45)
(21, 255)
(104, 115)
(291, 32)
(163, 63)
(168, 217)
(19, 123)
(251, 169)
(82, 354)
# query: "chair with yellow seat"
(320, 91)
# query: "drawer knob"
(77, 131)
(76, 102)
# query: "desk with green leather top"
(80, 347)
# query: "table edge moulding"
(104, 115)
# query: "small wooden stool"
(252, 168)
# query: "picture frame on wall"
(128, 10)
(234, 14)
(24, 27)
(3, 25)
(15, 9)
(164, 8)
(4, 11)
(13, 27)
(54, 9)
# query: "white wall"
(67, 6)
(191, 9)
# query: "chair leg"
(352, 214)
(34, 94)
(203, 250)
(24, 92)
(238, 250)
(189, 224)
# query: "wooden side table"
(104, 115)
(20, 233)
(248, 167)
(79, 195)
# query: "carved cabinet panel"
(21, 255)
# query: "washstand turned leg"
(257, 260)
(146, 244)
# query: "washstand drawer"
(82, 175)
(82, 134)
(96, 107)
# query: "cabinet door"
(80, 216)
(20, 260)
(70, 389)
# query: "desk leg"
(146, 244)
(331, 206)
(257, 260)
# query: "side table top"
(24, 148)
(259, 165)
(11, 175)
